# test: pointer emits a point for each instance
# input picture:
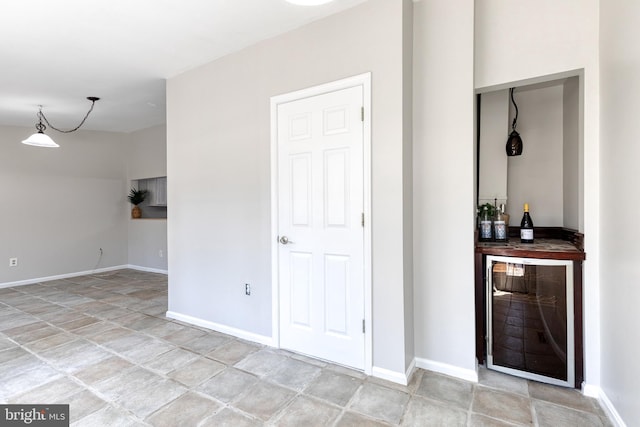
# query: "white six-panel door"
(320, 208)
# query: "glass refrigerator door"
(530, 318)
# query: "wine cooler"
(530, 318)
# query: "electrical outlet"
(160, 254)
(101, 251)
(247, 289)
(13, 262)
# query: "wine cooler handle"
(489, 293)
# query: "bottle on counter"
(505, 215)
(526, 226)
(500, 230)
(486, 226)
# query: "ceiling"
(57, 53)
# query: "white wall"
(60, 206)
(550, 38)
(536, 176)
(444, 211)
(620, 84)
(218, 148)
(147, 238)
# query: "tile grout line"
(125, 302)
(89, 387)
(72, 377)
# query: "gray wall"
(620, 153)
(407, 179)
(536, 176)
(218, 145)
(554, 38)
(494, 128)
(59, 206)
(147, 237)
(547, 174)
(571, 153)
(443, 169)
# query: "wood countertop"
(540, 248)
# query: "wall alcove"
(547, 176)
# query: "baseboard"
(389, 375)
(446, 369)
(597, 392)
(591, 390)
(410, 370)
(239, 333)
(60, 276)
(148, 269)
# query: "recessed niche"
(155, 204)
(547, 174)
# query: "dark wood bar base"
(550, 243)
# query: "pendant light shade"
(514, 142)
(40, 139)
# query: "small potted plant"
(136, 197)
(491, 208)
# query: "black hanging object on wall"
(514, 143)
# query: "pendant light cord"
(515, 119)
(42, 117)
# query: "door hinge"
(362, 219)
(362, 114)
(363, 326)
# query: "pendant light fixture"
(40, 139)
(514, 143)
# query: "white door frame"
(363, 80)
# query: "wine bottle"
(505, 215)
(526, 226)
(486, 234)
(500, 225)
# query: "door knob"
(285, 240)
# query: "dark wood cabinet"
(550, 244)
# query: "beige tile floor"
(102, 344)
